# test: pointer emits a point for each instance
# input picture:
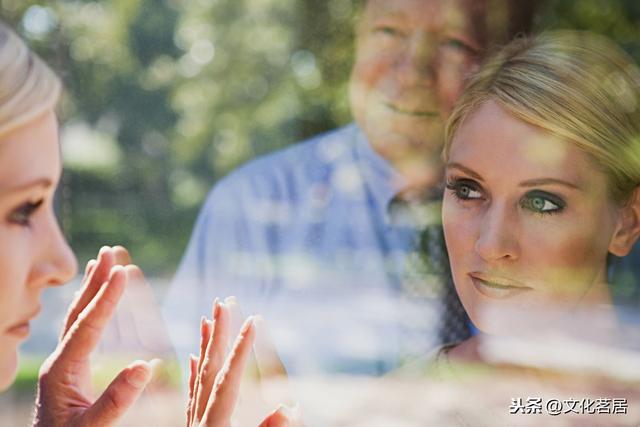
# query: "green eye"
(541, 202)
(464, 189)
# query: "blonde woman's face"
(528, 220)
(33, 252)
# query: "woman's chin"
(8, 368)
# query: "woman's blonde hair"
(576, 85)
(28, 87)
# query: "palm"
(64, 388)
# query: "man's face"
(412, 57)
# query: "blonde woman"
(542, 175)
(34, 255)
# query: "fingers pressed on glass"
(205, 332)
(86, 331)
(193, 374)
(94, 278)
(227, 385)
(214, 356)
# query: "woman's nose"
(57, 264)
(497, 239)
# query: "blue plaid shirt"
(306, 238)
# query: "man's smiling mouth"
(411, 112)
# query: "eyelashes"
(536, 201)
(543, 202)
(22, 215)
(464, 189)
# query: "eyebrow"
(43, 183)
(388, 15)
(464, 169)
(528, 183)
(549, 181)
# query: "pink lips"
(21, 330)
(497, 287)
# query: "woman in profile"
(542, 174)
(34, 255)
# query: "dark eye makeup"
(464, 189)
(542, 202)
(536, 201)
(23, 213)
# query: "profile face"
(528, 220)
(33, 252)
(412, 57)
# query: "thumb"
(123, 391)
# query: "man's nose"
(419, 62)
(498, 236)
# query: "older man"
(316, 236)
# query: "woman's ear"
(628, 228)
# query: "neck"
(468, 350)
(418, 164)
(419, 178)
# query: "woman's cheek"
(565, 255)
(458, 227)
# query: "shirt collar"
(382, 180)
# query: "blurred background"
(165, 97)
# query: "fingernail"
(203, 320)
(116, 269)
(138, 376)
(156, 365)
(247, 324)
(90, 264)
(216, 308)
(102, 251)
(286, 411)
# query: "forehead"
(30, 153)
(463, 14)
(498, 145)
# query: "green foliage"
(164, 97)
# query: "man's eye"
(22, 214)
(542, 203)
(465, 190)
(459, 45)
(388, 31)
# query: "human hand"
(64, 396)
(270, 386)
(214, 383)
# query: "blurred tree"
(164, 97)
